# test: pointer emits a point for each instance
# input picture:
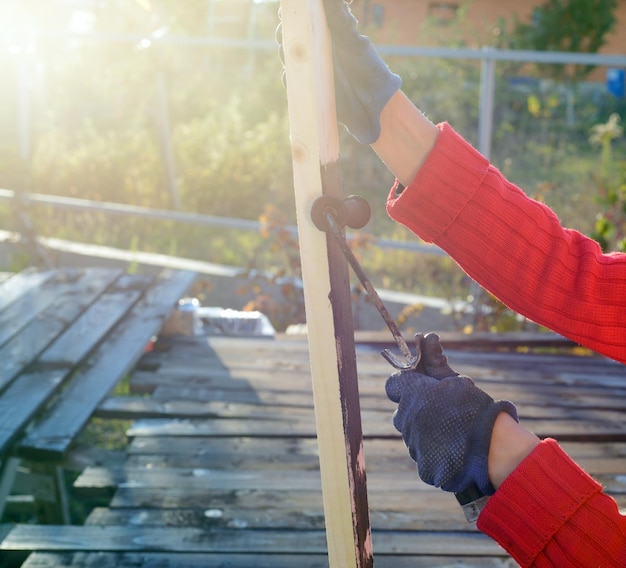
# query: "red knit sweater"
(548, 512)
(515, 247)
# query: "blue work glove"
(363, 82)
(445, 421)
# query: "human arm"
(511, 245)
(549, 513)
(545, 511)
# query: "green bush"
(95, 134)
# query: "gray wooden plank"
(431, 513)
(262, 479)
(5, 529)
(418, 507)
(181, 448)
(291, 454)
(263, 385)
(52, 436)
(563, 430)
(39, 291)
(175, 560)
(17, 285)
(35, 386)
(183, 427)
(478, 340)
(273, 448)
(84, 333)
(296, 399)
(133, 408)
(532, 401)
(534, 382)
(206, 377)
(242, 560)
(160, 539)
(224, 480)
(71, 298)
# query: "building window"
(443, 13)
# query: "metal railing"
(487, 56)
(120, 209)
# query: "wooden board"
(571, 430)
(182, 560)
(207, 493)
(326, 283)
(74, 293)
(172, 539)
(35, 386)
(51, 436)
(21, 285)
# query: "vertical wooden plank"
(315, 155)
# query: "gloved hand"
(433, 361)
(363, 82)
(445, 421)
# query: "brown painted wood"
(315, 145)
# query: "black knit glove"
(445, 421)
(363, 82)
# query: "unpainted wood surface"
(222, 466)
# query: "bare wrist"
(406, 138)
(510, 445)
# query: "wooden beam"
(315, 155)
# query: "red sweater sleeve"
(515, 247)
(549, 513)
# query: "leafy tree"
(578, 26)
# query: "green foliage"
(229, 166)
(567, 25)
(274, 274)
(95, 133)
(610, 181)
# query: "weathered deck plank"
(53, 434)
(71, 294)
(37, 384)
(242, 560)
(222, 466)
(174, 539)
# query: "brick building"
(474, 22)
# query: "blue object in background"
(615, 82)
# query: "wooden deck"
(222, 470)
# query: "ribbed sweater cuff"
(450, 175)
(535, 501)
